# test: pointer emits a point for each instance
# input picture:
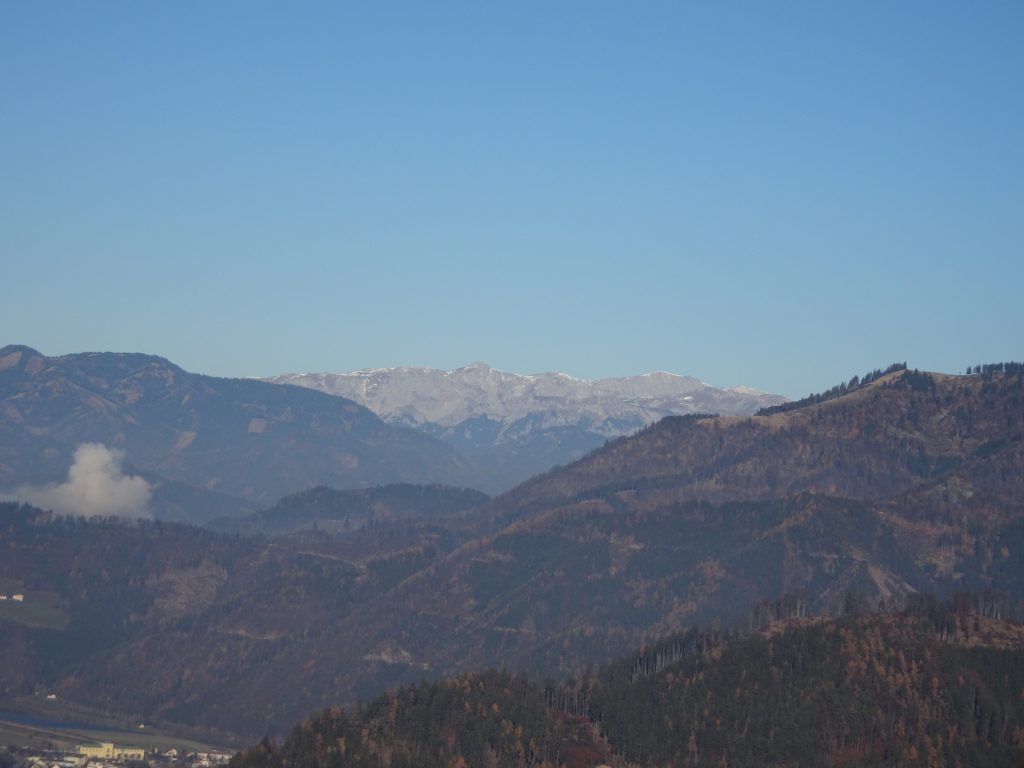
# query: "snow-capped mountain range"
(419, 396)
(516, 425)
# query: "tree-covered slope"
(871, 691)
(156, 621)
(560, 574)
(900, 431)
(911, 483)
(242, 437)
(939, 686)
(328, 509)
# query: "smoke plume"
(96, 486)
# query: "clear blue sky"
(773, 194)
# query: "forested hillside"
(329, 510)
(912, 483)
(151, 620)
(241, 437)
(940, 685)
(901, 431)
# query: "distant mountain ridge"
(241, 437)
(517, 425)
(418, 396)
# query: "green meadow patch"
(39, 609)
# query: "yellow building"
(108, 750)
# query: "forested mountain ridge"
(571, 569)
(328, 509)
(938, 686)
(902, 430)
(911, 483)
(242, 437)
(149, 620)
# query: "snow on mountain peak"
(612, 406)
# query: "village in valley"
(50, 746)
(46, 740)
(111, 755)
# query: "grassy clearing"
(22, 735)
(40, 609)
(13, 734)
